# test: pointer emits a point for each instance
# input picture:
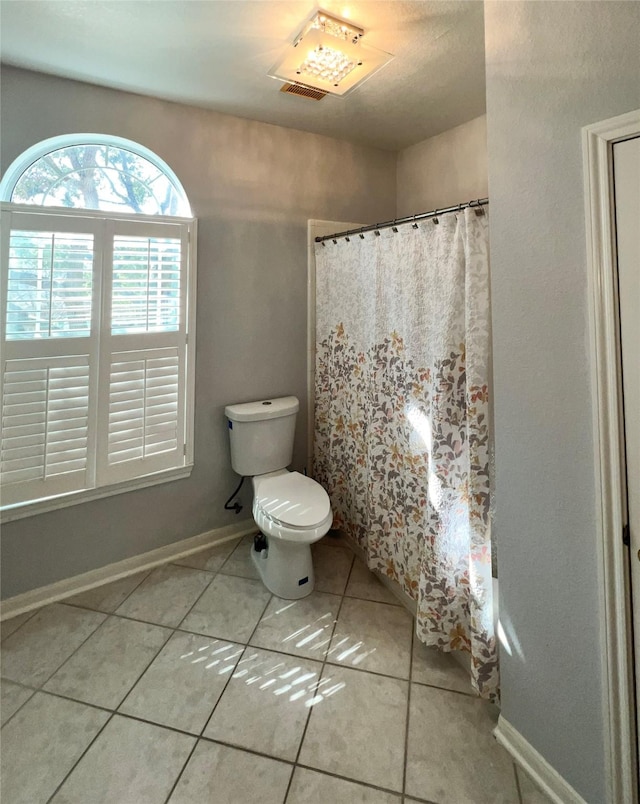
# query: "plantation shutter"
(49, 351)
(93, 369)
(143, 351)
(45, 432)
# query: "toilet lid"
(293, 499)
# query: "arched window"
(94, 172)
(98, 280)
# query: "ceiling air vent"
(303, 91)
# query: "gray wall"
(443, 170)
(551, 69)
(252, 186)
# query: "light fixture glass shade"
(328, 64)
(329, 55)
(341, 29)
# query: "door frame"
(613, 556)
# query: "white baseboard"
(35, 598)
(545, 776)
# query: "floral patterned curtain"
(402, 419)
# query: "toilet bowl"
(291, 510)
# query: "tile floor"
(192, 683)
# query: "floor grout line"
(180, 629)
(8, 620)
(33, 692)
(518, 787)
(182, 770)
(246, 647)
(153, 658)
(76, 700)
(201, 736)
(325, 666)
(419, 800)
(433, 686)
(369, 785)
(177, 630)
(247, 751)
(145, 574)
(408, 715)
(76, 649)
(206, 569)
(80, 758)
(214, 575)
(320, 677)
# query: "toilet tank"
(261, 435)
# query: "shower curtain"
(402, 418)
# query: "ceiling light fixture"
(328, 55)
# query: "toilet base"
(286, 568)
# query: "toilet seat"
(291, 507)
(292, 500)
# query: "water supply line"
(237, 507)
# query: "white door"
(626, 161)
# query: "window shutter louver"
(45, 427)
(94, 352)
(143, 413)
(48, 276)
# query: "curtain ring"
(347, 238)
(335, 242)
(376, 231)
(414, 225)
(435, 216)
(361, 235)
(394, 228)
(324, 245)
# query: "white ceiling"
(217, 53)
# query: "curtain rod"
(375, 227)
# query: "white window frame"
(30, 508)
(40, 149)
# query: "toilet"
(291, 510)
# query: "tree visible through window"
(97, 380)
(99, 176)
